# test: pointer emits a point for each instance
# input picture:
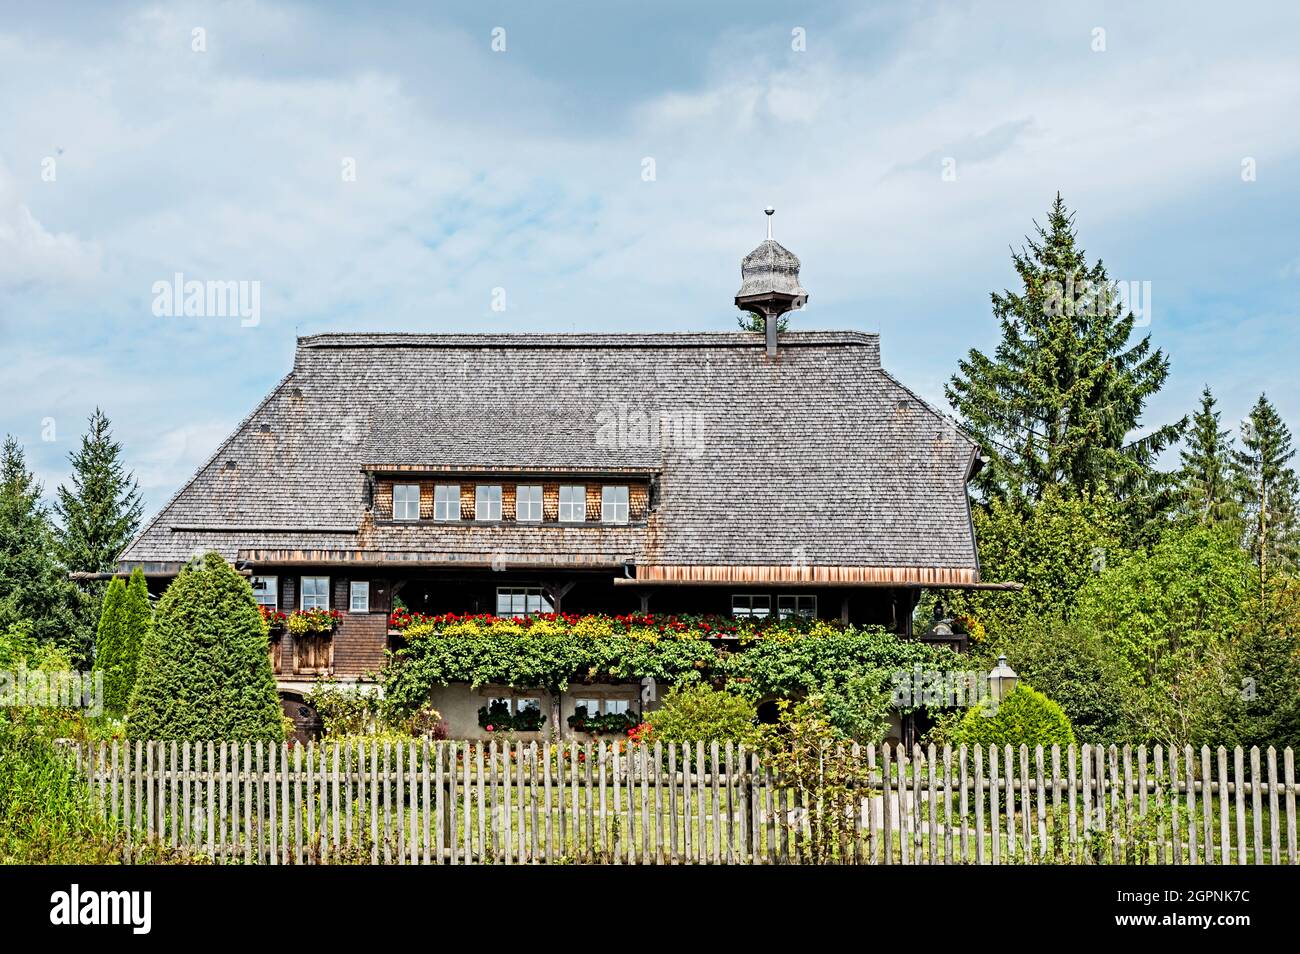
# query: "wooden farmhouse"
(735, 473)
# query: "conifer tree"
(35, 594)
(1205, 475)
(1058, 402)
(137, 619)
(111, 646)
(100, 511)
(204, 670)
(1267, 488)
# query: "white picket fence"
(609, 802)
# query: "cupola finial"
(770, 283)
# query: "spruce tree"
(204, 670)
(1205, 475)
(1059, 400)
(1267, 488)
(35, 594)
(100, 512)
(111, 646)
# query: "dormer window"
(528, 503)
(573, 503)
(487, 502)
(613, 504)
(406, 502)
(446, 502)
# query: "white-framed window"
(446, 502)
(528, 503)
(796, 604)
(613, 504)
(266, 590)
(522, 601)
(754, 605)
(573, 503)
(406, 501)
(359, 597)
(596, 705)
(516, 704)
(487, 502)
(315, 592)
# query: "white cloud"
(32, 254)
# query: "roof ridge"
(667, 339)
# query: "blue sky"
(522, 170)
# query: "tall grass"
(46, 812)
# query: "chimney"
(770, 283)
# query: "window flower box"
(301, 622)
(611, 723)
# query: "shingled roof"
(817, 463)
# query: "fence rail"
(614, 803)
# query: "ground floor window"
(522, 601)
(509, 709)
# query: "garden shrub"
(204, 669)
(123, 622)
(700, 713)
(1024, 717)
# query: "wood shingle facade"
(593, 472)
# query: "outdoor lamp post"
(1002, 680)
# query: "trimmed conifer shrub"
(1024, 717)
(137, 618)
(204, 672)
(111, 647)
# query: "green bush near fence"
(1024, 717)
(204, 670)
(702, 714)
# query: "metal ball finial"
(769, 212)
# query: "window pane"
(446, 502)
(406, 502)
(751, 605)
(528, 503)
(796, 605)
(360, 602)
(315, 592)
(487, 502)
(503, 603)
(613, 504)
(616, 706)
(266, 591)
(573, 504)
